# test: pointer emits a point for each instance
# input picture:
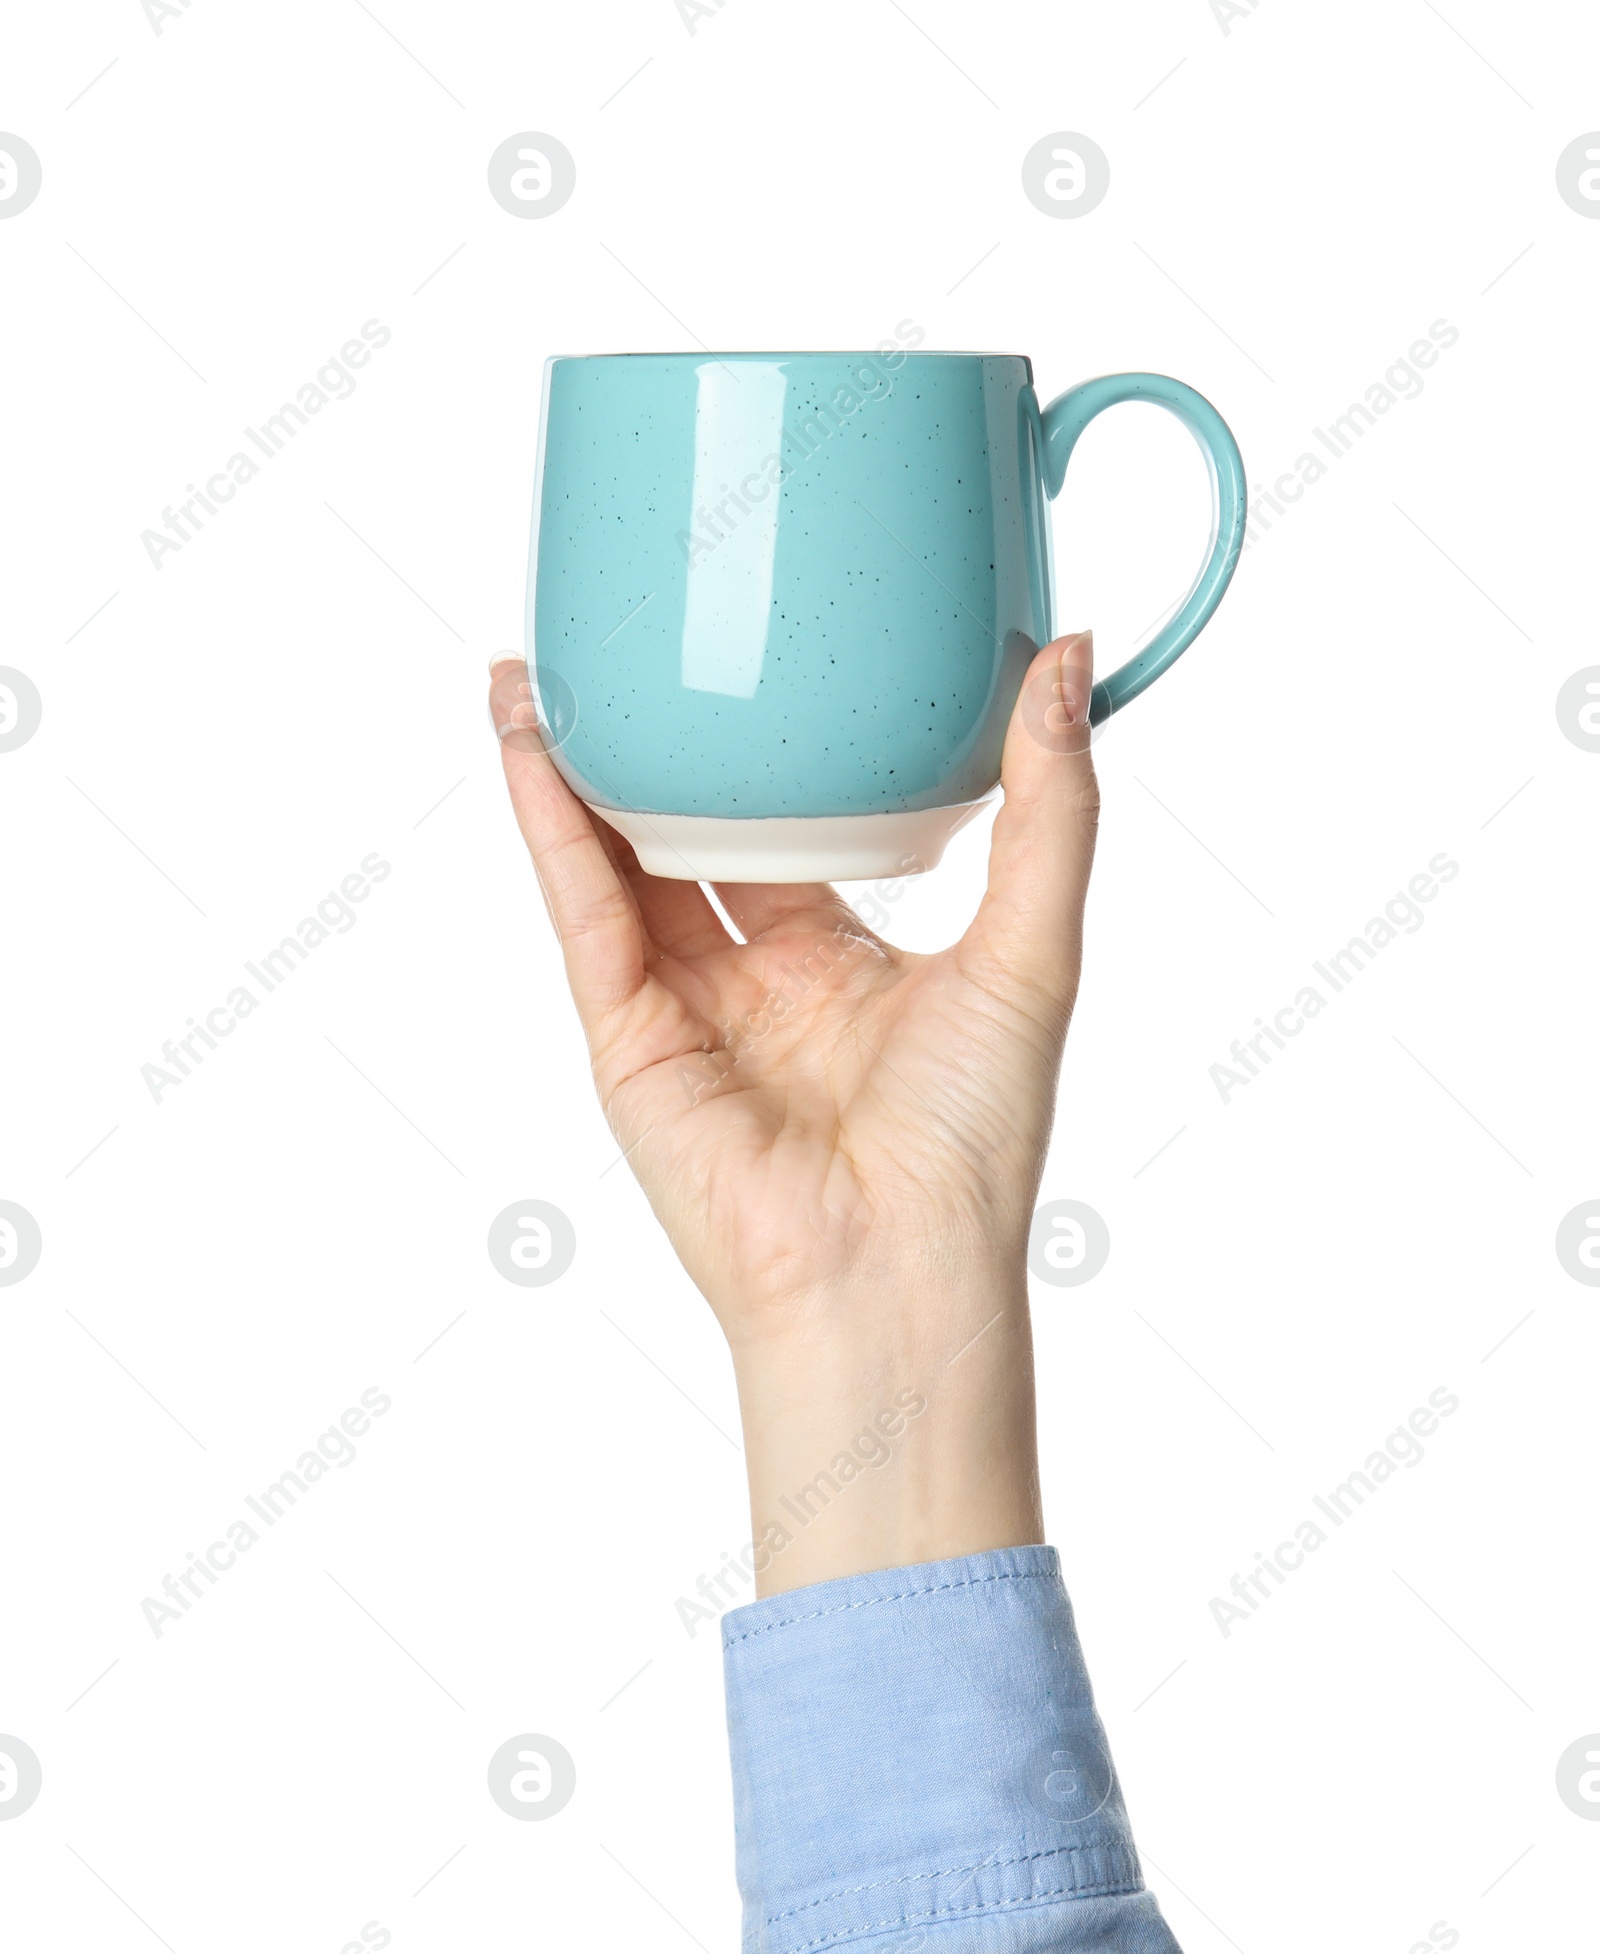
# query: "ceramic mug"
(782, 603)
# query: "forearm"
(916, 1751)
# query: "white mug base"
(788, 848)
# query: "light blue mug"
(782, 603)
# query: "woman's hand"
(843, 1140)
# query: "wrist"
(887, 1429)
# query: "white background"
(1374, 1217)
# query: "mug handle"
(1065, 419)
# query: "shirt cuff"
(916, 1754)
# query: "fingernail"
(1074, 680)
(505, 658)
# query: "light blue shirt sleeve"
(917, 1764)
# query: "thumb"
(1027, 937)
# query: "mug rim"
(803, 353)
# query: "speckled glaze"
(808, 584)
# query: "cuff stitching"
(949, 1872)
(1108, 1890)
(903, 1594)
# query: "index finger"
(597, 921)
